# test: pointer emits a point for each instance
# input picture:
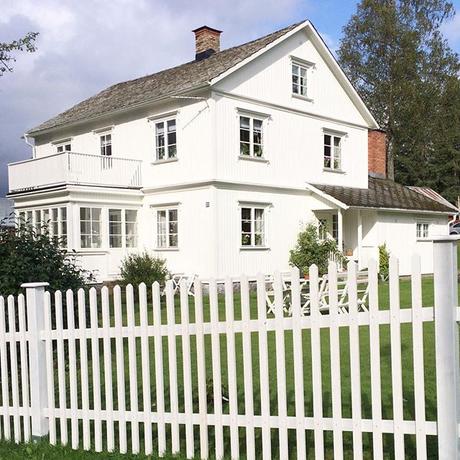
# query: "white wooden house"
(217, 164)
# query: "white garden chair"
(176, 278)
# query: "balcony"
(75, 169)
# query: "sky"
(87, 45)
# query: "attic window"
(300, 71)
(67, 147)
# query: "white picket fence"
(213, 375)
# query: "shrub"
(384, 262)
(310, 249)
(28, 255)
(143, 268)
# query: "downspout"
(29, 144)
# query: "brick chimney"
(207, 42)
(377, 153)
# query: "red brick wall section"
(206, 39)
(377, 153)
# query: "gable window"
(422, 230)
(167, 228)
(333, 152)
(299, 79)
(252, 227)
(166, 140)
(90, 228)
(251, 137)
(122, 228)
(66, 147)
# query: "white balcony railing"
(74, 168)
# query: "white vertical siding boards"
(355, 365)
(24, 367)
(376, 382)
(188, 403)
(108, 380)
(50, 369)
(231, 363)
(336, 385)
(316, 364)
(263, 367)
(396, 369)
(14, 369)
(247, 369)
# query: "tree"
(26, 43)
(395, 55)
(28, 254)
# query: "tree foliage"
(394, 53)
(310, 249)
(7, 50)
(28, 254)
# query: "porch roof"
(386, 194)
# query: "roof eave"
(327, 197)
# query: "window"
(54, 222)
(131, 228)
(63, 226)
(166, 142)
(106, 150)
(252, 227)
(122, 228)
(251, 137)
(167, 230)
(115, 227)
(422, 230)
(322, 229)
(66, 147)
(335, 228)
(299, 79)
(90, 227)
(332, 152)
(38, 221)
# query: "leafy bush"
(143, 268)
(310, 249)
(384, 262)
(28, 254)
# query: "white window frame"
(336, 152)
(251, 130)
(422, 230)
(64, 147)
(300, 64)
(167, 154)
(92, 222)
(124, 225)
(253, 207)
(167, 233)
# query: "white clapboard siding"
(90, 396)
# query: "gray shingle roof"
(167, 82)
(383, 193)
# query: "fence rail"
(218, 374)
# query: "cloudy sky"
(87, 45)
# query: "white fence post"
(35, 295)
(447, 357)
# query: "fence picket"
(50, 369)
(72, 369)
(418, 349)
(298, 364)
(374, 341)
(201, 371)
(3, 372)
(263, 368)
(159, 368)
(316, 363)
(396, 365)
(247, 369)
(108, 381)
(281, 366)
(58, 311)
(355, 366)
(188, 401)
(145, 359)
(120, 360)
(336, 383)
(132, 363)
(172, 354)
(14, 369)
(24, 367)
(84, 368)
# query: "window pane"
(245, 149)
(327, 139)
(131, 215)
(246, 213)
(244, 123)
(96, 213)
(246, 239)
(173, 214)
(84, 214)
(115, 241)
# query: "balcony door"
(106, 151)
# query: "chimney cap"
(211, 29)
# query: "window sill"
(254, 248)
(89, 251)
(424, 240)
(336, 171)
(256, 159)
(169, 160)
(303, 98)
(166, 249)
